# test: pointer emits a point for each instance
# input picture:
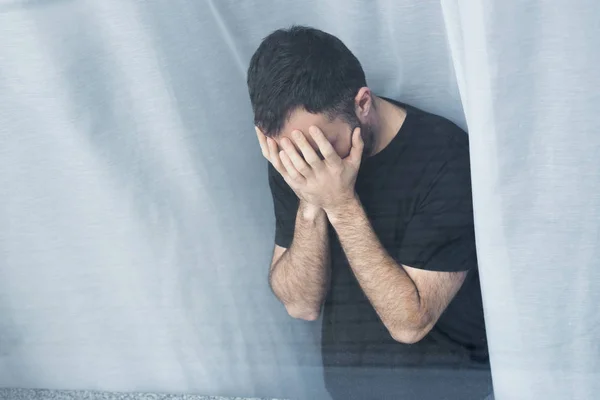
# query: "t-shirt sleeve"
(440, 234)
(285, 204)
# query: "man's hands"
(327, 183)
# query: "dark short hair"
(302, 67)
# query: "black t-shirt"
(416, 193)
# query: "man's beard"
(368, 136)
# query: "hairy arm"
(408, 301)
(300, 277)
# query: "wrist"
(343, 209)
(310, 212)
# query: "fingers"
(297, 161)
(357, 147)
(292, 172)
(273, 156)
(289, 163)
(329, 153)
(309, 154)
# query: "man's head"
(302, 76)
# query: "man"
(374, 219)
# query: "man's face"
(338, 132)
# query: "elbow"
(303, 313)
(407, 336)
(410, 333)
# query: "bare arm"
(299, 276)
(408, 301)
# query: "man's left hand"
(328, 183)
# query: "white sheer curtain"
(136, 224)
(527, 76)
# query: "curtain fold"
(526, 76)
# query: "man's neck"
(390, 119)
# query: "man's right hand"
(301, 290)
(270, 151)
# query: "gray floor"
(39, 394)
(410, 384)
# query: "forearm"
(386, 284)
(300, 278)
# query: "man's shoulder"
(431, 140)
(433, 128)
(438, 154)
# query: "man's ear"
(363, 103)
